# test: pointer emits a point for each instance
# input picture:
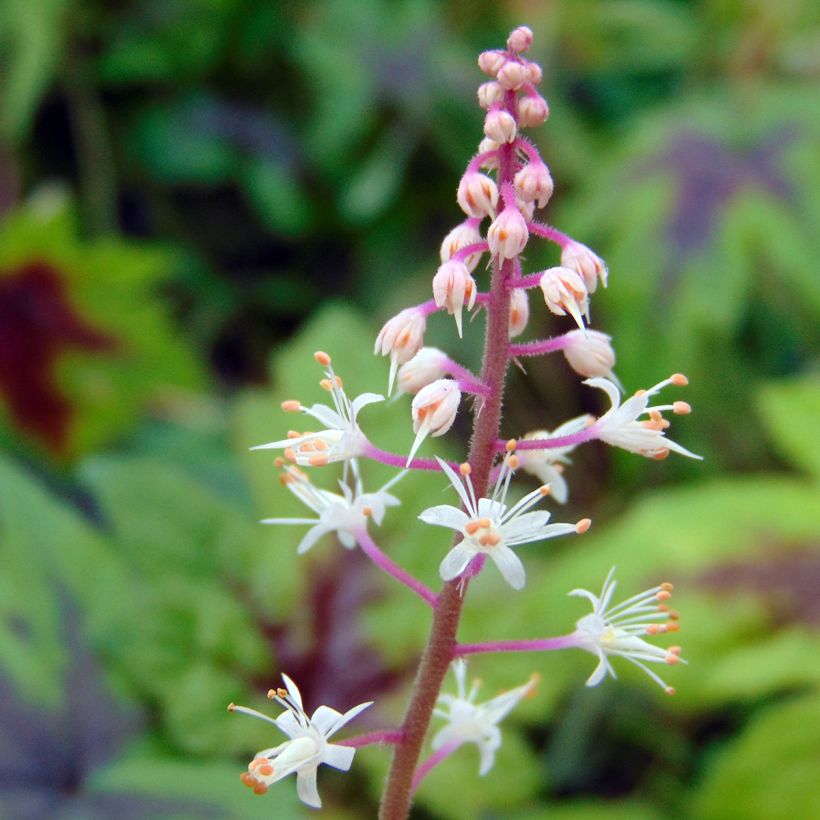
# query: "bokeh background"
(195, 195)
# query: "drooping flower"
(589, 353)
(307, 747)
(507, 235)
(620, 425)
(471, 722)
(477, 195)
(499, 126)
(341, 440)
(586, 263)
(565, 292)
(519, 311)
(464, 234)
(401, 338)
(453, 288)
(490, 527)
(533, 183)
(434, 410)
(532, 110)
(616, 630)
(345, 513)
(428, 365)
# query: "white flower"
(470, 722)
(344, 514)
(507, 235)
(453, 287)
(464, 234)
(547, 465)
(588, 264)
(477, 195)
(434, 410)
(341, 440)
(401, 338)
(489, 527)
(616, 630)
(565, 292)
(519, 311)
(307, 747)
(534, 183)
(425, 367)
(620, 426)
(589, 353)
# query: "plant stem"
(447, 613)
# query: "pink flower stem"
(396, 460)
(453, 368)
(372, 738)
(474, 166)
(547, 232)
(572, 439)
(468, 250)
(536, 645)
(527, 282)
(541, 346)
(431, 762)
(382, 561)
(428, 308)
(476, 388)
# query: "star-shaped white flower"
(616, 630)
(345, 514)
(620, 425)
(490, 527)
(471, 722)
(305, 750)
(341, 440)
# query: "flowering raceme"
(481, 269)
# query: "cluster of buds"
(499, 191)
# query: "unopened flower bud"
(534, 183)
(532, 111)
(425, 367)
(477, 195)
(500, 126)
(461, 236)
(519, 311)
(565, 292)
(590, 353)
(511, 76)
(534, 73)
(490, 61)
(434, 410)
(520, 39)
(508, 234)
(489, 93)
(484, 147)
(452, 288)
(527, 208)
(581, 259)
(401, 338)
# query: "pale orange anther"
(285, 478)
(663, 608)
(681, 408)
(244, 777)
(272, 693)
(319, 460)
(259, 761)
(640, 392)
(664, 424)
(490, 539)
(675, 650)
(674, 626)
(260, 788)
(513, 462)
(320, 444)
(326, 384)
(266, 771)
(679, 379)
(661, 454)
(322, 358)
(294, 434)
(655, 415)
(472, 527)
(544, 489)
(559, 468)
(485, 522)
(672, 659)
(231, 707)
(663, 594)
(290, 455)
(652, 629)
(282, 692)
(670, 690)
(291, 406)
(465, 469)
(511, 445)
(583, 525)
(674, 614)
(367, 511)
(667, 587)
(278, 462)
(307, 447)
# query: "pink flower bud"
(489, 93)
(401, 338)
(565, 292)
(477, 195)
(500, 126)
(508, 234)
(452, 288)
(590, 354)
(534, 183)
(527, 208)
(434, 410)
(520, 39)
(519, 311)
(581, 259)
(511, 76)
(461, 236)
(486, 145)
(534, 73)
(490, 61)
(425, 367)
(532, 111)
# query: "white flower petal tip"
(434, 410)
(306, 747)
(401, 338)
(617, 630)
(453, 288)
(341, 440)
(565, 293)
(471, 722)
(622, 426)
(490, 526)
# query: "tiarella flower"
(341, 440)
(477, 195)
(453, 287)
(565, 292)
(616, 630)
(485, 147)
(490, 527)
(620, 425)
(471, 722)
(547, 465)
(508, 234)
(428, 365)
(491, 61)
(534, 183)
(305, 750)
(520, 39)
(532, 111)
(589, 353)
(344, 514)
(589, 265)
(519, 311)
(499, 126)
(434, 410)
(461, 236)
(489, 94)
(511, 76)
(534, 73)
(401, 338)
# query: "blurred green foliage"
(194, 196)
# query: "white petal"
(293, 691)
(601, 670)
(455, 562)
(585, 593)
(340, 757)
(487, 748)
(306, 787)
(608, 387)
(350, 714)
(510, 566)
(325, 719)
(330, 418)
(289, 725)
(422, 434)
(311, 537)
(363, 401)
(487, 508)
(445, 516)
(458, 484)
(524, 528)
(348, 539)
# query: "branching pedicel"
(486, 525)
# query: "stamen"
(511, 445)
(319, 460)
(681, 408)
(513, 462)
(367, 511)
(664, 593)
(465, 469)
(670, 690)
(583, 525)
(661, 454)
(291, 406)
(544, 490)
(322, 358)
(294, 434)
(679, 380)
